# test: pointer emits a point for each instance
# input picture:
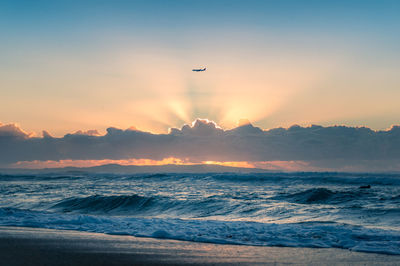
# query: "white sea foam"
(309, 234)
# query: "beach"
(33, 246)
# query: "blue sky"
(71, 65)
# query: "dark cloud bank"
(337, 147)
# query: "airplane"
(199, 69)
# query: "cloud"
(46, 134)
(200, 127)
(91, 132)
(315, 147)
(13, 131)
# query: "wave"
(105, 204)
(323, 196)
(39, 177)
(141, 205)
(356, 179)
(306, 234)
(397, 198)
(327, 196)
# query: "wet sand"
(31, 246)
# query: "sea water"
(318, 210)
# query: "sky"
(68, 66)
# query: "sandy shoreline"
(32, 246)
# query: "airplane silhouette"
(199, 69)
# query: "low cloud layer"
(337, 147)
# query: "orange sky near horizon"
(267, 165)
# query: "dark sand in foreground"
(31, 246)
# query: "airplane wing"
(199, 69)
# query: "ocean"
(318, 210)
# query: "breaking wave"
(140, 205)
(305, 234)
(324, 195)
